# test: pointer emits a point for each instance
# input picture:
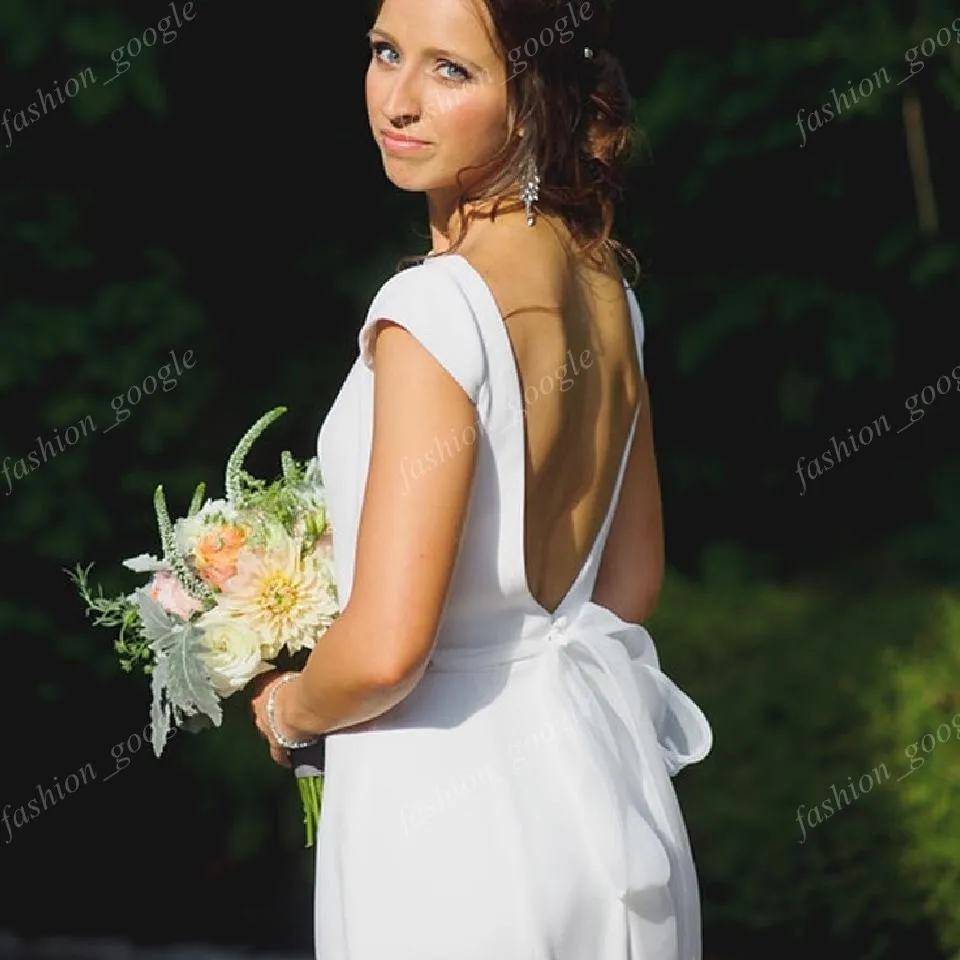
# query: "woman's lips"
(399, 144)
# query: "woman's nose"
(403, 103)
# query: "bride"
(500, 738)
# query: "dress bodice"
(447, 305)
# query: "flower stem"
(311, 796)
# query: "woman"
(500, 739)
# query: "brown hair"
(575, 112)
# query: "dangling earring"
(531, 189)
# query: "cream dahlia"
(286, 599)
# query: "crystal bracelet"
(272, 722)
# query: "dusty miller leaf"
(179, 682)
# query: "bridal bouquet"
(241, 581)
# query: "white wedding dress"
(518, 804)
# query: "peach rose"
(165, 588)
(217, 552)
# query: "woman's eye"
(379, 48)
(458, 74)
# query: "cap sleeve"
(636, 316)
(431, 306)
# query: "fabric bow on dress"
(628, 712)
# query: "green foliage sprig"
(283, 499)
(238, 483)
(188, 579)
(197, 502)
(131, 645)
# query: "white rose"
(234, 652)
(188, 530)
(186, 533)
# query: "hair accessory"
(272, 722)
(531, 190)
(588, 53)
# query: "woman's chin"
(406, 177)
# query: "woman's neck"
(480, 221)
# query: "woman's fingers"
(279, 755)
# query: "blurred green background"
(222, 195)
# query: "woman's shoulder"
(428, 302)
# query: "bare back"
(573, 342)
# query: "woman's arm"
(631, 570)
(414, 509)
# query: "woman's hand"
(260, 687)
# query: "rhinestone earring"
(531, 190)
